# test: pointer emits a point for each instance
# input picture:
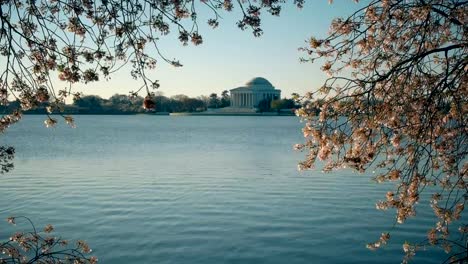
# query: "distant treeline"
(124, 104)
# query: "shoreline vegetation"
(180, 105)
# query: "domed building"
(253, 92)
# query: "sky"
(229, 57)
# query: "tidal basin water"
(162, 189)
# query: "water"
(161, 189)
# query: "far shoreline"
(170, 114)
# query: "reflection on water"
(161, 189)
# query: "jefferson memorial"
(253, 92)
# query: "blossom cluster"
(42, 247)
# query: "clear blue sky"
(229, 57)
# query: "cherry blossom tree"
(86, 41)
(41, 246)
(396, 102)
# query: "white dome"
(259, 82)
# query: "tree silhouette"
(225, 99)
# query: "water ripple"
(147, 189)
